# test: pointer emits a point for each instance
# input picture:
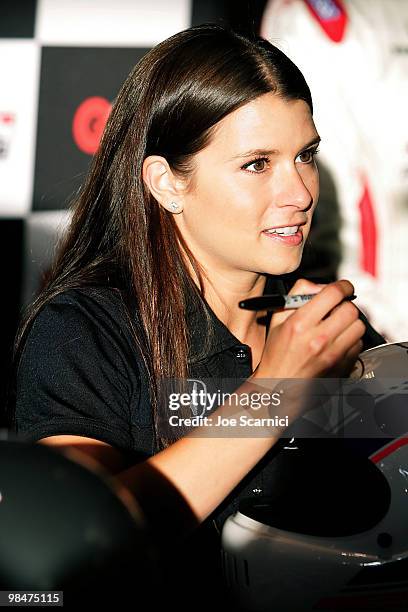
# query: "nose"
(292, 190)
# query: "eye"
(259, 165)
(310, 153)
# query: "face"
(238, 194)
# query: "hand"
(321, 338)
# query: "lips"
(284, 238)
(290, 235)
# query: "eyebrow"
(254, 152)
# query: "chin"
(284, 268)
(289, 269)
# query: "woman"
(209, 148)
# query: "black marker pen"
(277, 301)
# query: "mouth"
(286, 234)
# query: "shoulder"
(80, 372)
(97, 304)
(94, 317)
(93, 299)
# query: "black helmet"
(64, 527)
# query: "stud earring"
(174, 206)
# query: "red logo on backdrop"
(331, 16)
(89, 122)
(368, 230)
(7, 118)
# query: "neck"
(223, 292)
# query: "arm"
(180, 486)
(108, 457)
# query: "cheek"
(227, 200)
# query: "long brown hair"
(119, 235)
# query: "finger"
(339, 319)
(345, 341)
(353, 353)
(320, 305)
(331, 355)
(356, 349)
(349, 361)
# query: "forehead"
(268, 121)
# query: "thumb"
(303, 286)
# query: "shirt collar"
(222, 338)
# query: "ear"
(162, 183)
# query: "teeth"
(284, 231)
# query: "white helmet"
(333, 533)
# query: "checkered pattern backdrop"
(62, 63)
